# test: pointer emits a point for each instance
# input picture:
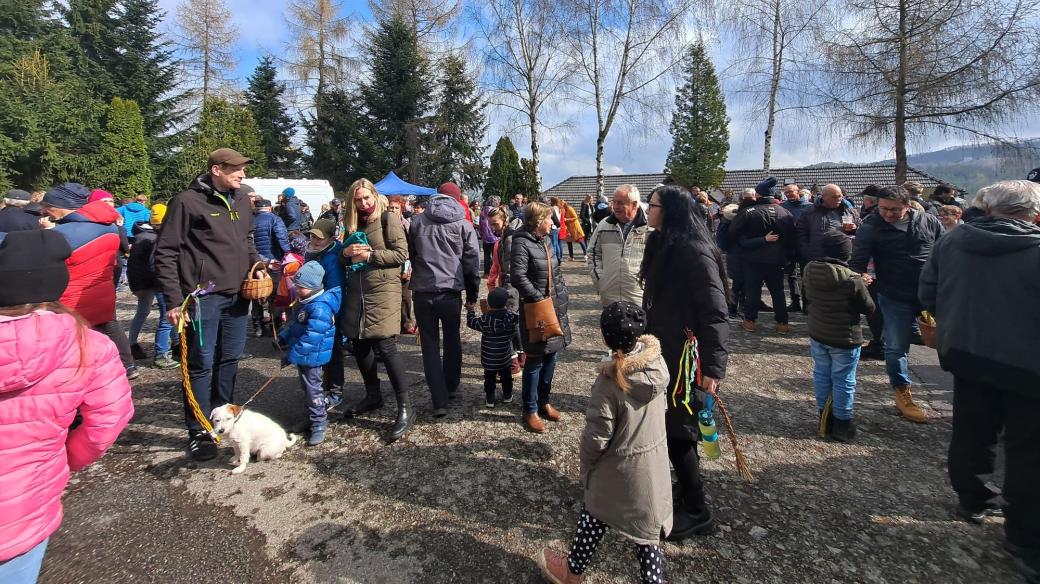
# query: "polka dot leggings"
(588, 535)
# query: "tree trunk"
(532, 117)
(600, 139)
(774, 88)
(900, 114)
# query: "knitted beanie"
(836, 245)
(310, 275)
(32, 265)
(767, 187)
(100, 195)
(69, 196)
(158, 214)
(622, 323)
(498, 298)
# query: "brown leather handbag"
(540, 317)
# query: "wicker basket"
(928, 334)
(254, 288)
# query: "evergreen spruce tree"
(222, 124)
(460, 127)
(700, 127)
(530, 186)
(504, 178)
(264, 97)
(123, 168)
(147, 70)
(91, 25)
(396, 98)
(337, 137)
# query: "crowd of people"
(671, 271)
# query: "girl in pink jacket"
(64, 397)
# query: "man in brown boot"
(899, 240)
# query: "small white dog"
(250, 433)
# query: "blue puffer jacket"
(134, 213)
(270, 236)
(335, 277)
(291, 214)
(313, 330)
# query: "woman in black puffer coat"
(530, 261)
(684, 281)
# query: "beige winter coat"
(624, 456)
(374, 293)
(614, 260)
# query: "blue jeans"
(899, 320)
(23, 569)
(834, 374)
(213, 363)
(163, 329)
(537, 381)
(554, 236)
(310, 381)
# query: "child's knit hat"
(835, 244)
(310, 275)
(498, 298)
(298, 243)
(622, 323)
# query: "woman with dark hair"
(532, 265)
(684, 281)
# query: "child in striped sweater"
(496, 348)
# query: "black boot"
(690, 515)
(373, 400)
(844, 430)
(405, 421)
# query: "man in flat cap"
(13, 216)
(205, 244)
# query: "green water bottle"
(709, 433)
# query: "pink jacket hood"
(44, 384)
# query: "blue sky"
(571, 150)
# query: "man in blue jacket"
(272, 243)
(133, 213)
(290, 211)
(898, 239)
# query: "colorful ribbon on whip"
(196, 318)
(689, 376)
(196, 323)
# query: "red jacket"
(94, 239)
(44, 383)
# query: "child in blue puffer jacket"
(308, 340)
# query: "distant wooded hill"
(974, 166)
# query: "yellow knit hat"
(158, 213)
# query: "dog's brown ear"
(235, 410)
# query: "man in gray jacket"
(980, 283)
(443, 249)
(616, 249)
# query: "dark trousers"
(686, 462)
(310, 381)
(735, 271)
(876, 321)
(505, 376)
(213, 362)
(364, 352)
(537, 381)
(434, 311)
(570, 248)
(333, 370)
(114, 331)
(794, 280)
(773, 276)
(489, 254)
(980, 412)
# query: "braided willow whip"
(743, 468)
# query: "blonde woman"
(373, 314)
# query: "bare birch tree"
(904, 69)
(774, 43)
(428, 18)
(623, 50)
(318, 58)
(206, 35)
(527, 64)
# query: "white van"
(314, 192)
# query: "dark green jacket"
(836, 297)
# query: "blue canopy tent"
(393, 185)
